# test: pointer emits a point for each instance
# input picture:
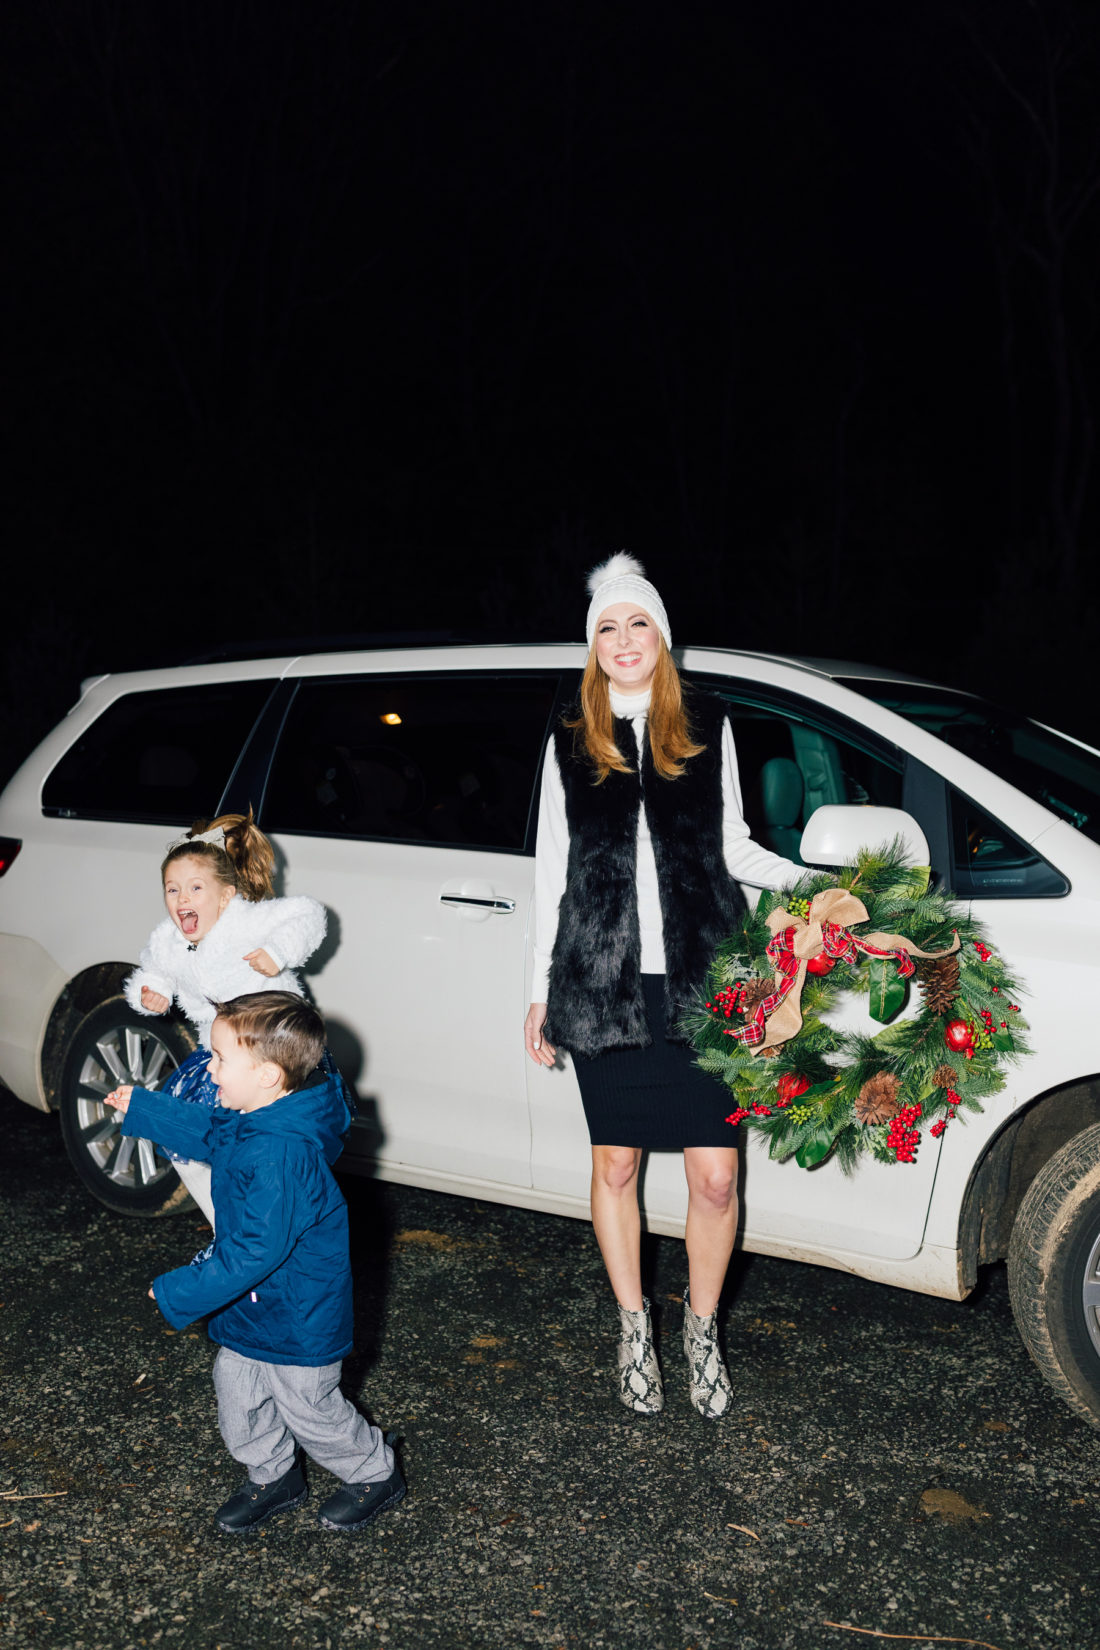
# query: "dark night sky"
(332, 317)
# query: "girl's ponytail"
(249, 852)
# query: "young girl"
(225, 935)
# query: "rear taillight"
(9, 847)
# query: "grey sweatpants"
(264, 1408)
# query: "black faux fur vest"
(595, 997)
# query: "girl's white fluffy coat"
(289, 930)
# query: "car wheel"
(114, 1045)
(1054, 1272)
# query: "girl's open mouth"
(188, 922)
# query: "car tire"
(1054, 1272)
(112, 1045)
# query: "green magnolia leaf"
(888, 992)
(815, 1151)
(1004, 1041)
(816, 1147)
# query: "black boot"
(354, 1506)
(254, 1503)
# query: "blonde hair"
(246, 863)
(670, 740)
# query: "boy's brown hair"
(280, 1027)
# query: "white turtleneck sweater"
(746, 860)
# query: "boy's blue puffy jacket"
(278, 1284)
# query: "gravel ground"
(896, 1462)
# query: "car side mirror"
(836, 832)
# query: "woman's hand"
(153, 1001)
(119, 1099)
(541, 1052)
(262, 963)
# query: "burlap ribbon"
(796, 940)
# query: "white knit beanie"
(622, 579)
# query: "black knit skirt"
(654, 1097)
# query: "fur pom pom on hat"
(621, 578)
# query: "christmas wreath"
(814, 1091)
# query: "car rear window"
(163, 757)
(447, 760)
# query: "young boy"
(277, 1284)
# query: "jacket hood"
(317, 1113)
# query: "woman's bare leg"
(617, 1221)
(711, 1221)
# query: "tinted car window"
(158, 758)
(991, 862)
(413, 759)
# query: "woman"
(640, 839)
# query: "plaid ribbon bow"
(795, 941)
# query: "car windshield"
(1045, 765)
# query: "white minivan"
(400, 788)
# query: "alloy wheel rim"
(1090, 1294)
(124, 1054)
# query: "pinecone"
(945, 1077)
(879, 1099)
(755, 992)
(938, 978)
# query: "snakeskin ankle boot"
(639, 1376)
(708, 1381)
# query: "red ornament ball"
(821, 964)
(957, 1035)
(791, 1085)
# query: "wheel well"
(1011, 1161)
(84, 992)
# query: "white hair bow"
(216, 836)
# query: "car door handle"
(480, 903)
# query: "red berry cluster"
(984, 952)
(903, 1138)
(737, 1116)
(952, 1107)
(730, 1001)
